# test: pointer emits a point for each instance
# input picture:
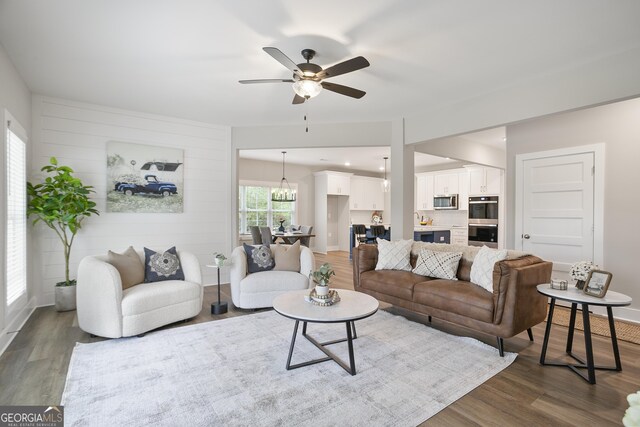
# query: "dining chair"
(359, 233)
(265, 232)
(306, 229)
(255, 234)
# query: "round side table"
(575, 297)
(218, 307)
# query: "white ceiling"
(184, 58)
(370, 159)
(495, 138)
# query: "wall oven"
(483, 235)
(483, 221)
(445, 201)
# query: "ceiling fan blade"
(297, 99)
(344, 90)
(283, 59)
(348, 66)
(265, 81)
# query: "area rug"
(232, 372)
(625, 331)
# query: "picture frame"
(597, 283)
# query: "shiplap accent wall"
(76, 134)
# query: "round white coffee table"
(352, 306)
(576, 296)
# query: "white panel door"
(558, 209)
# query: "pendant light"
(284, 193)
(385, 183)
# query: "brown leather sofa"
(513, 307)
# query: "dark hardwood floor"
(34, 368)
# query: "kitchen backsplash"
(364, 217)
(445, 217)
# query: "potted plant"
(580, 270)
(61, 202)
(219, 259)
(321, 277)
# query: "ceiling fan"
(308, 78)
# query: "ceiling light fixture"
(385, 183)
(284, 193)
(347, 163)
(307, 88)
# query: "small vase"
(281, 228)
(322, 290)
(580, 284)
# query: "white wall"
(259, 170)
(618, 127)
(15, 98)
(77, 135)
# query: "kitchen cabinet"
(485, 181)
(338, 184)
(459, 236)
(445, 183)
(438, 236)
(463, 191)
(424, 192)
(367, 194)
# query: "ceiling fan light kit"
(308, 78)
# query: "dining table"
(290, 238)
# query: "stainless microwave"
(445, 201)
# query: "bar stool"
(376, 231)
(360, 233)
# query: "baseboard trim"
(12, 329)
(333, 248)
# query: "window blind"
(16, 243)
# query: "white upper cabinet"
(367, 194)
(445, 183)
(484, 181)
(463, 191)
(338, 184)
(424, 192)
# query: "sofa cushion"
(269, 281)
(394, 255)
(287, 258)
(440, 265)
(152, 296)
(391, 282)
(259, 258)
(128, 265)
(160, 266)
(482, 268)
(460, 297)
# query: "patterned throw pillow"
(259, 258)
(482, 267)
(394, 255)
(441, 265)
(160, 266)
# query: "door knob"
(526, 236)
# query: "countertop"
(437, 227)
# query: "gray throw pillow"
(128, 265)
(259, 258)
(160, 266)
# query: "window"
(256, 208)
(16, 227)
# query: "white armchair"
(257, 290)
(104, 309)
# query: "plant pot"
(65, 298)
(322, 290)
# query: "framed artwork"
(597, 283)
(144, 178)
